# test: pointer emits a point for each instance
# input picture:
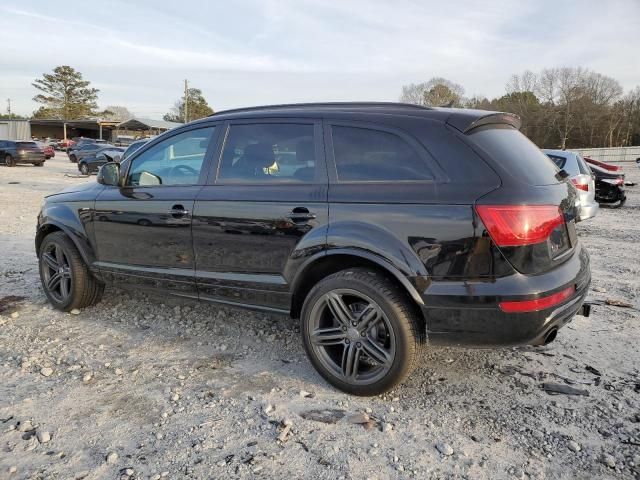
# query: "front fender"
(74, 220)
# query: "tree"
(11, 116)
(65, 95)
(197, 107)
(117, 113)
(436, 92)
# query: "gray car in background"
(581, 177)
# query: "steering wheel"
(187, 170)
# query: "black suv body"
(381, 226)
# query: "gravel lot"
(144, 387)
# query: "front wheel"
(84, 169)
(361, 332)
(66, 280)
(73, 159)
(9, 161)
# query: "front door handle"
(178, 211)
(301, 214)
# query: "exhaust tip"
(551, 336)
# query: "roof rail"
(322, 104)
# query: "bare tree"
(436, 92)
(567, 107)
(118, 113)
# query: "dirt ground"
(145, 387)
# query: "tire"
(9, 161)
(84, 169)
(394, 327)
(82, 288)
(39, 164)
(73, 159)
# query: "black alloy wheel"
(360, 331)
(66, 280)
(56, 273)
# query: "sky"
(247, 52)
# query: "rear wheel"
(360, 331)
(84, 169)
(9, 161)
(66, 280)
(73, 159)
(39, 164)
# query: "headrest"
(259, 155)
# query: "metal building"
(15, 130)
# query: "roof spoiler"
(466, 123)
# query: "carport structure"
(63, 129)
(145, 126)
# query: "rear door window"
(558, 160)
(516, 153)
(268, 152)
(369, 155)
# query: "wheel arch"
(327, 263)
(53, 226)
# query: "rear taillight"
(579, 185)
(519, 306)
(518, 225)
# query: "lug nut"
(354, 324)
(347, 341)
(344, 329)
(358, 344)
(363, 334)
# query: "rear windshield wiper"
(562, 174)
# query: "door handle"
(178, 211)
(301, 214)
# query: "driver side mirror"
(109, 174)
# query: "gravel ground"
(143, 387)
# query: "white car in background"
(581, 177)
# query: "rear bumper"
(33, 159)
(467, 313)
(589, 210)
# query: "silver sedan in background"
(581, 177)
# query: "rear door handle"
(178, 211)
(301, 214)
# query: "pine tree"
(65, 95)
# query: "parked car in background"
(581, 177)
(65, 144)
(92, 163)
(395, 225)
(13, 153)
(134, 147)
(47, 149)
(53, 143)
(610, 188)
(81, 150)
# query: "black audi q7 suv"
(380, 226)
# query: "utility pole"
(9, 107)
(186, 101)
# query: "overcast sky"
(242, 53)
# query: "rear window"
(26, 144)
(582, 165)
(516, 153)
